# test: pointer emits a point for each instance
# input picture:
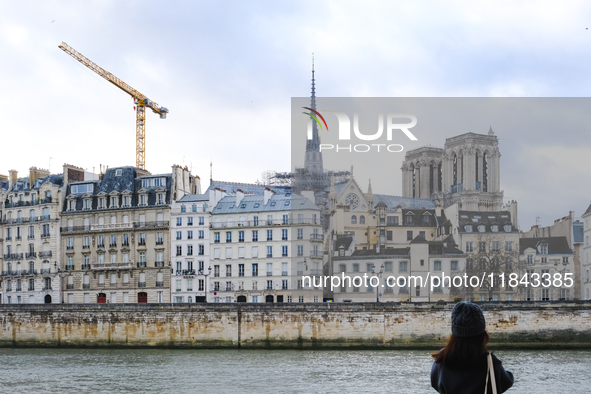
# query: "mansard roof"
(404, 202)
(556, 245)
(255, 203)
(488, 219)
(248, 188)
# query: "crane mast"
(140, 100)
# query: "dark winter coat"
(471, 379)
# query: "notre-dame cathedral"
(466, 171)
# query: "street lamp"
(379, 274)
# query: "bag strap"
(490, 371)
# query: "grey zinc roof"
(4, 185)
(194, 197)
(22, 184)
(405, 202)
(383, 252)
(556, 245)
(250, 188)
(255, 203)
(476, 218)
(344, 241)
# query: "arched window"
(361, 219)
(353, 219)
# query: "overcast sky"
(228, 70)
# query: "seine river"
(267, 371)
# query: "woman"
(462, 365)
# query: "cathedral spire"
(313, 159)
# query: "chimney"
(36, 173)
(239, 196)
(438, 210)
(267, 195)
(309, 194)
(73, 174)
(12, 178)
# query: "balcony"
(47, 200)
(10, 273)
(316, 255)
(269, 273)
(269, 256)
(69, 286)
(403, 290)
(18, 288)
(29, 272)
(31, 236)
(317, 237)
(9, 238)
(86, 286)
(100, 246)
(189, 272)
(125, 244)
(45, 271)
(85, 246)
(13, 256)
(70, 247)
(159, 264)
(284, 273)
(141, 264)
(159, 284)
(316, 271)
(30, 255)
(18, 238)
(141, 284)
(69, 267)
(45, 254)
(85, 267)
(300, 273)
(159, 242)
(45, 235)
(142, 242)
(46, 288)
(113, 245)
(111, 266)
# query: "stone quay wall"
(289, 326)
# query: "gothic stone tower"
(466, 171)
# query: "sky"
(227, 71)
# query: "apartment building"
(115, 238)
(262, 245)
(30, 238)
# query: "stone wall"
(369, 325)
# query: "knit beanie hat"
(467, 320)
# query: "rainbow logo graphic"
(311, 115)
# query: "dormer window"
(101, 203)
(126, 201)
(494, 228)
(468, 228)
(143, 200)
(71, 205)
(114, 202)
(118, 172)
(34, 198)
(160, 199)
(482, 228)
(507, 228)
(543, 249)
(87, 204)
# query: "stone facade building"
(189, 234)
(400, 274)
(261, 246)
(30, 237)
(543, 259)
(115, 240)
(466, 171)
(586, 256)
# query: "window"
(454, 265)
(240, 236)
(507, 228)
(201, 219)
(409, 235)
(255, 271)
(216, 238)
(530, 259)
(240, 269)
(189, 250)
(190, 234)
(469, 247)
(508, 246)
(255, 219)
(427, 220)
(159, 239)
(216, 271)
(300, 250)
(403, 266)
(300, 233)
(389, 235)
(179, 235)
(354, 219)
(228, 270)
(228, 236)
(269, 235)
(437, 266)
(179, 250)
(482, 247)
(284, 235)
(408, 219)
(269, 251)
(201, 234)
(495, 246)
(255, 235)
(494, 228)
(284, 251)
(543, 249)
(361, 219)
(422, 234)
(201, 249)
(468, 228)
(179, 221)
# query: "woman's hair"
(462, 352)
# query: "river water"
(267, 371)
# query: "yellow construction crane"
(140, 100)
